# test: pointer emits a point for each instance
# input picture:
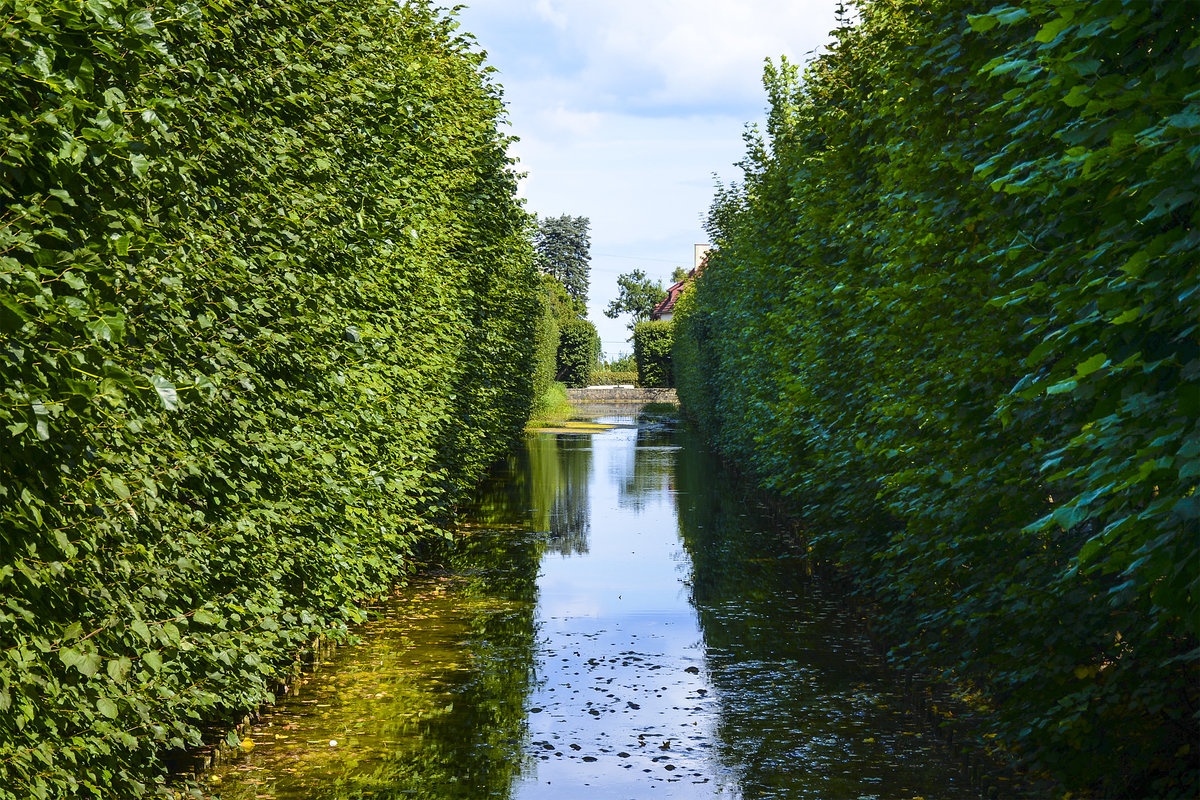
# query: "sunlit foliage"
(953, 321)
(265, 310)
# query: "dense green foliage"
(652, 352)
(265, 303)
(637, 296)
(578, 350)
(611, 378)
(546, 350)
(971, 360)
(624, 362)
(562, 250)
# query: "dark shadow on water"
(614, 622)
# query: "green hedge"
(652, 352)
(264, 303)
(578, 348)
(546, 354)
(952, 319)
(610, 378)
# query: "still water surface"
(616, 622)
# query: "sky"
(629, 111)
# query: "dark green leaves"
(950, 333)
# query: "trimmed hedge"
(952, 320)
(578, 349)
(265, 294)
(609, 378)
(652, 352)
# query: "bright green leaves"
(195, 464)
(1050, 31)
(166, 391)
(139, 165)
(87, 662)
(118, 669)
(1090, 365)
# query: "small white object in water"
(333, 742)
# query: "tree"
(562, 305)
(563, 250)
(679, 274)
(638, 295)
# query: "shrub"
(264, 302)
(608, 378)
(546, 353)
(578, 347)
(652, 352)
(952, 319)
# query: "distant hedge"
(652, 352)
(578, 349)
(608, 378)
(953, 321)
(264, 314)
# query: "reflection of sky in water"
(676, 651)
(622, 701)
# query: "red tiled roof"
(667, 305)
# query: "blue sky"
(626, 109)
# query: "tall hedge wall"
(578, 350)
(264, 312)
(971, 360)
(652, 353)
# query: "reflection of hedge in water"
(952, 319)
(454, 666)
(543, 488)
(800, 686)
(264, 304)
(653, 467)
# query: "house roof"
(667, 305)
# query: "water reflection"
(430, 705)
(805, 709)
(616, 623)
(542, 487)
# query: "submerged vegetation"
(264, 301)
(971, 361)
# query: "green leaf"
(107, 328)
(1129, 315)
(1136, 265)
(119, 487)
(142, 22)
(87, 663)
(139, 627)
(139, 165)
(204, 617)
(118, 668)
(107, 707)
(1090, 365)
(982, 23)
(166, 392)
(1051, 30)
(153, 660)
(1077, 96)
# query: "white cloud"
(626, 108)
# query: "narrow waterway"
(615, 623)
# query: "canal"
(615, 622)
